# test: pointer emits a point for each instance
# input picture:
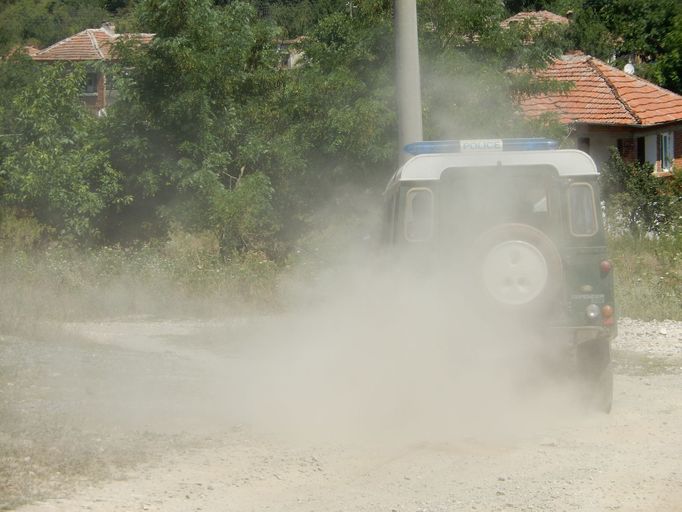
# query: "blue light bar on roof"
(467, 146)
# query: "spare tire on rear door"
(519, 267)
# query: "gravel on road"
(76, 433)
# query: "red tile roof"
(536, 19)
(90, 44)
(603, 95)
(30, 50)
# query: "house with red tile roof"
(90, 45)
(607, 107)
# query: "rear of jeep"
(518, 225)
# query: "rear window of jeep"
(582, 209)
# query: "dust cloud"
(386, 345)
(374, 348)
(369, 350)
(387, 355)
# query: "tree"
(193, 119)
(44, 22)
(667, 70)
(556, 6)
(52, 162)
(630, 28)
(473, 70)
(299, 17)
(116, 5)
(339, 108)
(205, 117)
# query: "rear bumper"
(583, 334)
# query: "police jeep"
(522, 222)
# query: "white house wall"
(602, 139)
(601, 143)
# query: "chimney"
(109, 28)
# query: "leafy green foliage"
(244, 218)
(467, 61)
(52, 162)
(20, 231)
(187, 123)
(626, 29)
(639, 25)
(116, 5)
(557, 6)
(210, 135)
(642, 32)
(668, 67)
(592, 36)
(345, 92)
(215, 162)
(637, 201)
(43, 22)
(299, 17)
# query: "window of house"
(91, 83)
(419, 214)
(627, 149)
(665, 150)
(641, 150)
(582, 209)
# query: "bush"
(637, 202)
(244, 217)
(20, 231)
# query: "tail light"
(605, 266)
(607, 315)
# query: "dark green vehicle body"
(539, 211)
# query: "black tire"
(596, 373)
(515, 287)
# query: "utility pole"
(407, 71)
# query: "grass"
(183, 276)
(648, 277)
(43, 281)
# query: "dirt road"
(132, 416)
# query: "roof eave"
(639, 126)
(70, 59)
